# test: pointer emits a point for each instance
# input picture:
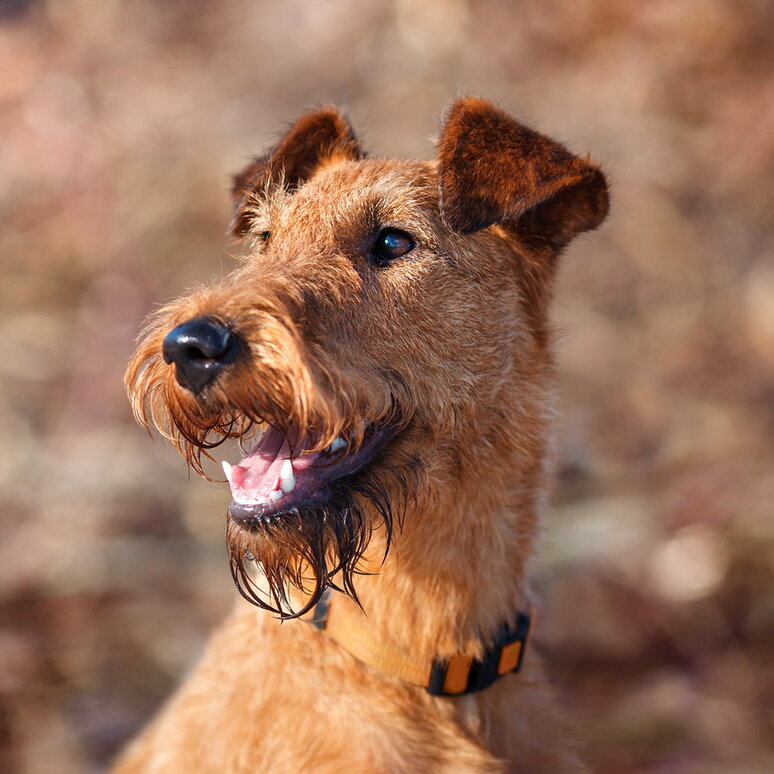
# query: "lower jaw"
(253, 516)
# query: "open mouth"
(273, 477)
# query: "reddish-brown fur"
(451, 345)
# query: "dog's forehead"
(406, 172)
(409, 184)
(346, 200)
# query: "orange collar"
(456, 676)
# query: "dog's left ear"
(316, 137)
(493, 169)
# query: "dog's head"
(383, 344)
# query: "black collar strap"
(457, 676)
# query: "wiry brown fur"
(450, 347)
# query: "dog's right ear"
(493, 169)
(322, 135)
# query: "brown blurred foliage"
(121, 123)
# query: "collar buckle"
(505, 655)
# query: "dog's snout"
(199, 348)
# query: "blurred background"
(121, 123)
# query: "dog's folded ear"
(492, 169)
(316, 137)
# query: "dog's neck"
(457, 569)
(448, 597)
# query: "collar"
(459, 675)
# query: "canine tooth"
(227, 470)
(287, 479)
(275, 495)
(338, 443)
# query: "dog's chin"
(284, 561)
(285, 552)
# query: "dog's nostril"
(194, 353)
(199, 349)
(203, 350)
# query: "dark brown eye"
(391, 244)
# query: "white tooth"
(227, 470)
(338, 443)
(275, 495)
(287, 479)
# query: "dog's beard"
(283, 563)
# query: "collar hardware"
(461, 675)
(320, 612)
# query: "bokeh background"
(121, 122)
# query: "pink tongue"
(258, 473)
(260, 469)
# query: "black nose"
(199, 348)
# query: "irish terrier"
(384, 354)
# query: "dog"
(383, 353)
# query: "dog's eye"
(391, 244)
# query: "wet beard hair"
(313, 547)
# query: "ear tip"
(333, 112)
(469, 107)
(325, 116)
(328, 126)
(471, 102)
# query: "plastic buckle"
(485, 672)
(519, 634)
